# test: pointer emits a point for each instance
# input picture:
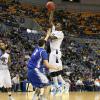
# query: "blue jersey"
(37, 57)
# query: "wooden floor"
(67, 96)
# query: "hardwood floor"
(67, 96)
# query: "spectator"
(79, 84)
(16, 83)
(97, 84)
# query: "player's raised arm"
(48, 34)
(51, 18)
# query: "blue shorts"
(37, 78)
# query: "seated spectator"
(16, 83)
(79, 84)
(88, 84)
(97, 84)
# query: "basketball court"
(67, 96)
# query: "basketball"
(50, 6)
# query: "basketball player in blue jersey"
(35, 76)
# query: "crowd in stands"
(83, 64)
(79, 57)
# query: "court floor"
(67, 96)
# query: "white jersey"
(56, 43)
(5, 78)
(4, 61)
(55, 55)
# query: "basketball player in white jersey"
(57, 37)
(5, 78)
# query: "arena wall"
(90, 2)
(84, 5)
(60, 1)
(35, 1)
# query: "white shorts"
(55, 59)
(5, 78)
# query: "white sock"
(42, 97)
(61, 80)
(55, 81)
(34, 96)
